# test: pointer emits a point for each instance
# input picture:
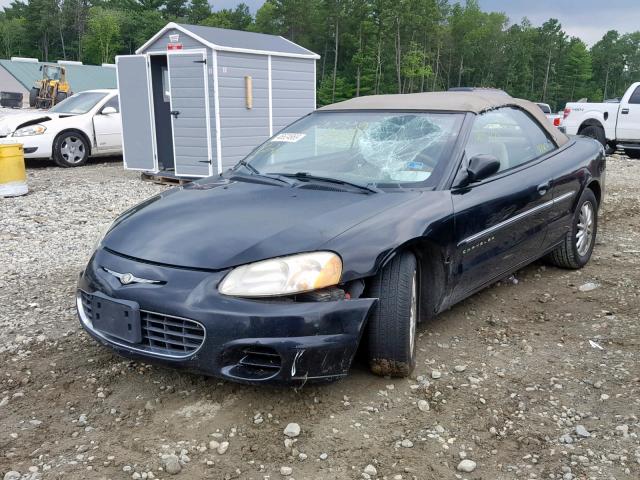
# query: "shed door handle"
(624, 111)
(175, 113)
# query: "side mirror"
(480, 167)
(108, 111)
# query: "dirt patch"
(534, 379)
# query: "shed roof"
(80, 77)
(236, 40)
(474, 102)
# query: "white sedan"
(84, 125)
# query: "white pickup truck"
(615, 125)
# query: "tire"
(60, 96)
(595, 132)
(33, 97)
(70, 149)
(572, 254)
(632, 153)
(392, 325)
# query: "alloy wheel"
(72, 149)
(584, 234)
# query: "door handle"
(624, 111)
(543, 188)
(175, 113)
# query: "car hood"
(10, 123)
(220, 224)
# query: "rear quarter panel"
(581, 163)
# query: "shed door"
(136, 110)
(190, 112)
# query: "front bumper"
(35, 146)
(249, 341)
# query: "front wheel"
(70, 149)
(575, 251)
(392, 325)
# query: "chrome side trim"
(89, 326)
(515, 218)
(564, 196)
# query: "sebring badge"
(129, 278)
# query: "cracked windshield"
(366, 148)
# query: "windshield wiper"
(256, 173)
(248, 166)
(307, 176)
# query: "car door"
(108, 127)
(628, 127)
(500, 222)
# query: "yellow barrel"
(13, 176)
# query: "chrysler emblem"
(129, 278)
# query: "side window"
(510, 135)
(112, 103)
(635, 96)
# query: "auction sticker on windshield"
(288, 137)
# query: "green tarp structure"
(80, 77)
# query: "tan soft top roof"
(474, 102)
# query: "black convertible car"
(349, 226)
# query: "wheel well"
(432, 273)
(592, 122)
(594, 186)
(78, 132)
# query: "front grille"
(86, 304)
(172, 334)
(163, 335)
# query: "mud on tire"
(391, 330)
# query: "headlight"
(30, 130)
(284, 275)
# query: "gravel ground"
(537, 377)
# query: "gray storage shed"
(195, 100)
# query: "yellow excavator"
(51, 89)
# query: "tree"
(175, 9)
(238, 19)
(414, 67)
(198, 11)
(103, 35)
(12, 33)
(267, 19)
(366, 46)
